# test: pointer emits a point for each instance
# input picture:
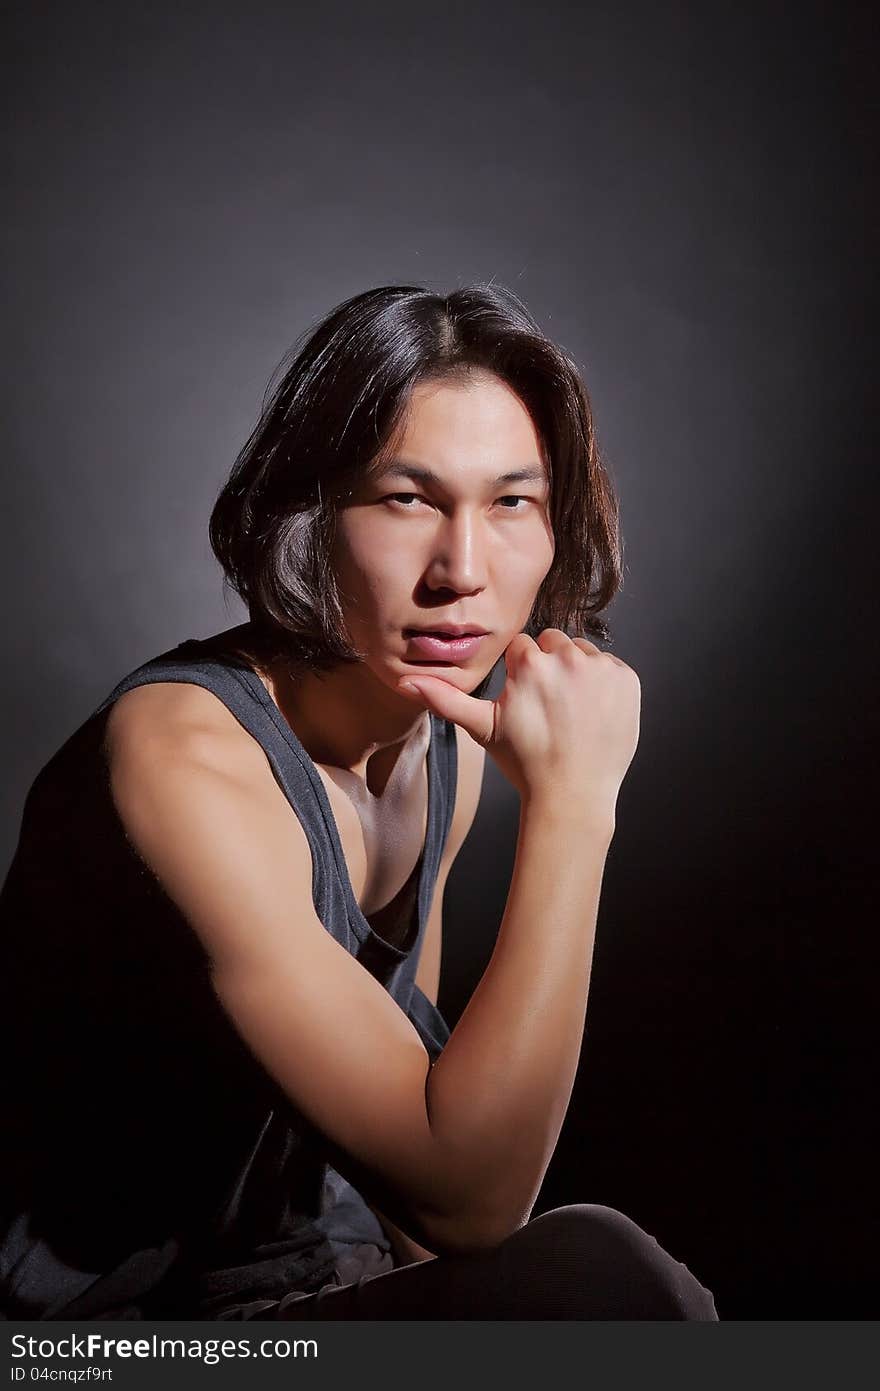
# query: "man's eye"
(406, 501)
(403, 498)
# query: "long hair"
(342, 394)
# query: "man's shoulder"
(180, 720)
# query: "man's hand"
(564, 728)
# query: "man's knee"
(593, 1242)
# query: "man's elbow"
(469, 1235)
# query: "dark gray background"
(678, 193)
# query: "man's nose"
(458, 557)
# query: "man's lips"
(442, 647)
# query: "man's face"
(464, 546)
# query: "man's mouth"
(436, 647)
(448, 630)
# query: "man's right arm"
(201, 808)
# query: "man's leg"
(583, 1261)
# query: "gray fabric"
(345, 1218)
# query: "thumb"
(477, 717)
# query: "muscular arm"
(521, 1063)
(564, 731)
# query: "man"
(378, 611)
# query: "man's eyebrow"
(399, 468)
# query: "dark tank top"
(152, 1167)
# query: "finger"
(447, 701)
(520, 647)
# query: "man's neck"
(347, 719)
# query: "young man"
(422, 494)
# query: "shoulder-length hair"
(341, 396)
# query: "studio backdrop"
(675, 191)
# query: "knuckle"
(519, 645)
(550, 639)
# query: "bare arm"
(202, 810)
(564, 731)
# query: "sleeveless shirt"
(153, 1168)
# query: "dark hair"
(342, 394)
